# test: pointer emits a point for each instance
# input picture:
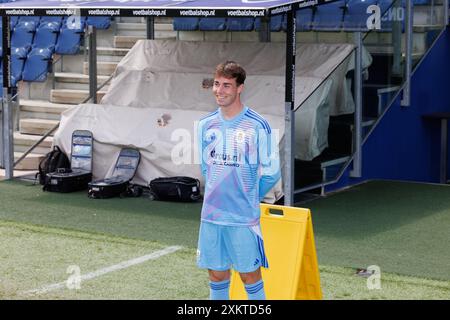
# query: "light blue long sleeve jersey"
(240, 163)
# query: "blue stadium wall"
(404, 146)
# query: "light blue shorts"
(222, 247)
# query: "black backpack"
(55, 159)
(184, 189)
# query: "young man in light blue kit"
(240, 163)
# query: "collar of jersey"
(235, 118)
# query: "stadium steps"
(37, 117)
(23, 142)
(71, 77)
(31, 161)
(129, 41)
(138, 27)
(111, 54)
(37, 109)
(69, 88)
(36, 126)
(111, 51)
(77, 81)
(126, 41)
(72, 96)
(130, 30)
(103, 68)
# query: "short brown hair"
(231, 70)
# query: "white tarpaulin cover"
(170, 74)
(161, 88)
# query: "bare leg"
(217, 276)
(251, 277)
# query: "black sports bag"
(184, 189)
(79, 174)
(54, 160)
(118, 185)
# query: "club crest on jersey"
(240, 136)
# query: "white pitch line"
(100, 272)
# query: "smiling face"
(227, 91)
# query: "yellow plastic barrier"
(293, 271)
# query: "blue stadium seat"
(99, 22)
(32, 22)
(185, 24)
(240, 24)
(37, 65)
(69, 39)
(68, 42)
(57, 21)
(275, 23)
(74, 23)
(23, 34)
(355, 18)
(20, 52)
(329, 17)
(212, 24)
(303, 20)
(18, 57)
(46, 36)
